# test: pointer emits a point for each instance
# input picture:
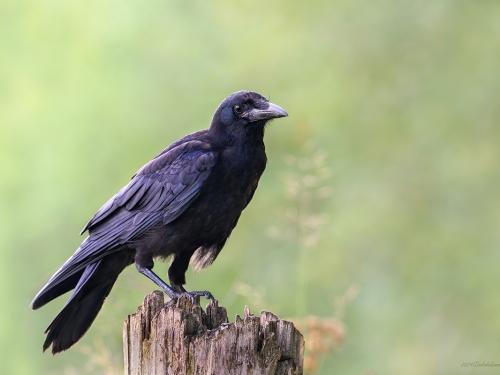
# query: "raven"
(184, 203)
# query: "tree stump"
(180, 338)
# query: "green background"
(402, 96)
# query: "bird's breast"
(211, 218)
(232, 183)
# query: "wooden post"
(179, 338)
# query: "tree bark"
(180, 338)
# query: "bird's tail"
(89, 294)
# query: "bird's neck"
(249, 137)
(255, 132)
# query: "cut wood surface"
(180, 338)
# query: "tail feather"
(86, 301)
(70, 272)
(56, 290)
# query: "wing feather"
(161, 190)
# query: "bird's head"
(245, 112)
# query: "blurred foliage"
(403, 96)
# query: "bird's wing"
(165, 186)
(161, 190)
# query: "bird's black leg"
(173, 294)
(177, 272)
(156, 279)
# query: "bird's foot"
(174, 296)
(202, 293)
(192, 295)
(176, 290)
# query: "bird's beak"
(272, 111)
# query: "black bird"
(184, 203)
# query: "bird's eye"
(238, 109)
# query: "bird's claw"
(201, 293)
(192, 295)
(206, 294)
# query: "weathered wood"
(180, 338)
